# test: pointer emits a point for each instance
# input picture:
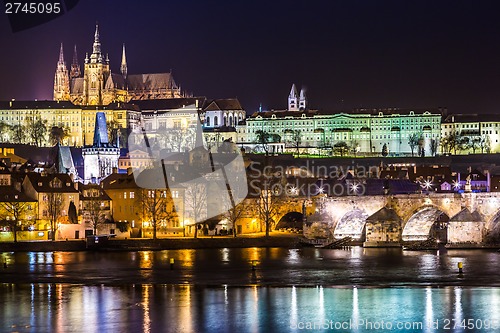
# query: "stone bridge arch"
(352, 224)
(292, 220)
(425, 221)
(493, 225)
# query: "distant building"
(363, 131)
(100, 158)
(471, 133)
(99, 86)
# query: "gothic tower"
(293, 104)
(123, 67)
(302, 99)
(100, 158)
(61, 79)
(96, 72)
(75, 67)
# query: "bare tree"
(17, 133)
(116, 131)
(4, 128)
(485, 144)
(434, 147)
(157, 207)
(58, 134)
(235, 214)
(450, 142)
(354, 148)
(195, 200)
(263, 139)
(413, 142)
(55, 202)
(94, 208)
(269, 204)
(295, 139)
(341, 148)
(474, 143)
(36, 129)
(14, 211)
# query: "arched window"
(225, 120)
(230, 120)
(216, 121)
(208, 121)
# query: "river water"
(216, 290)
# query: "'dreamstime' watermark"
(176, 158)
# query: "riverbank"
(138, 244)
(285, 241)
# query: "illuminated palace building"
(367, 131)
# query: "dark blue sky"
(347, 53)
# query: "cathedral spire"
(302, 99)
(123, 66)
(96, 56)
(61, 79)
(61, 55)
(293, 99)
(75, 67)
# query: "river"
(216, 290)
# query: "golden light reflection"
(146, 322)
(185, 308)
(145, 259)
(60, 322)
(146, 263)
(274, 253)
(253, 253)
(187, 257)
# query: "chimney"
(114, 170)
(130, 170)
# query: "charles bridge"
(390, 219)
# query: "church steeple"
(293, 104)
(302, 99)
(96, 56)
(123, 66)
(75, 67)
(61, 56)
(61, 79)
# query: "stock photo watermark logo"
(24, 14)
(173, 157)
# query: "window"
(132, 195)
(216, 121)
(124, 195)
(208, 121)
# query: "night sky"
(408, 54)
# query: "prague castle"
(99, 86)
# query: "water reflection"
(275, 266)
(165, 308)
